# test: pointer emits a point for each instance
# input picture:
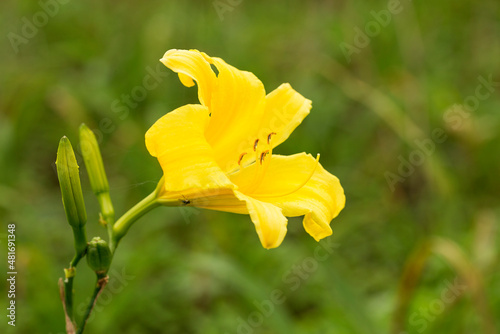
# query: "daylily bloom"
(218, 154)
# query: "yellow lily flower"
(218, 154)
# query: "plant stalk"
(100, 284)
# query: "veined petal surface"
(237, 110)
(299, 185)
(268, 219)
(285, 110)
(240, 111)
(177, 140)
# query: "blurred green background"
(404, 116)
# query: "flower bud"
(98, 256)
(95, 169)
(93, 161)
(69, 180)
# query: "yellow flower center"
(260, 152)
(263, 154)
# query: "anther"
(241, 157)
(263, 155)
(269, 137)
(255, 144)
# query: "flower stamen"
(241, 158)
(261, 166)
(263, 155)
(269, 137)
(255, 144)
(261, 163)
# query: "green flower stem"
(80, 249)
(100, 284)
(80, 236)
(116, 232)
(152, 201)
(125, 222)
(107, 211)
(68, 297)
(106, 205)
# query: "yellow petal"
(268, 219)
(237, 109)
(240, 110)
(284, 111)
(177, 140)
(192, 65)
(221, 199)
(299, 186)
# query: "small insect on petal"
(185, 201)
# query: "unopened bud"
(93, 160)
(95, 169)
(69, 180)
(98, 256)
